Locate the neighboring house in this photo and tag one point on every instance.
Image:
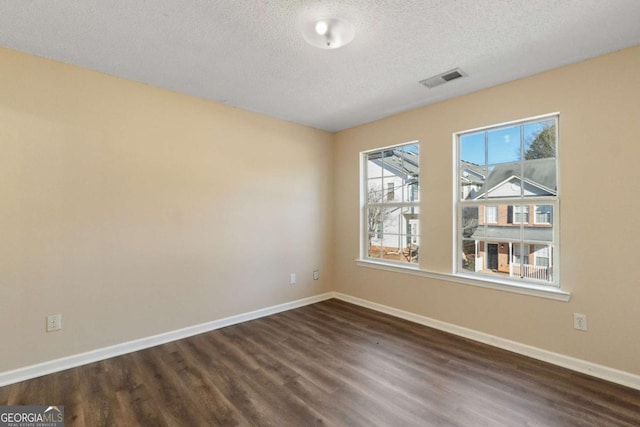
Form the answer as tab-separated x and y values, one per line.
498	229
393	183
472	178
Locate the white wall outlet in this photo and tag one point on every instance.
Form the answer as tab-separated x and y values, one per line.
316	274
292	279
580	321
54	322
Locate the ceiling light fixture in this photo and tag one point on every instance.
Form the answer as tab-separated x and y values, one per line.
328	33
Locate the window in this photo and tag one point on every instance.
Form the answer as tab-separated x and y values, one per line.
521	214
491	214
543	214
390	225
391	191
541	255
506	172
520	254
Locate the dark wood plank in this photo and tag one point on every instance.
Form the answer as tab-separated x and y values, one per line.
331	363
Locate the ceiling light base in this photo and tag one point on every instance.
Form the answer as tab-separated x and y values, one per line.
328	33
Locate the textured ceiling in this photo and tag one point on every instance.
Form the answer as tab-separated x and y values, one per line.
250	53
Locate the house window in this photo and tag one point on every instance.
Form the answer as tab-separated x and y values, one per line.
508	171
543	214
390	214
521	214
491	214
391	191
541	256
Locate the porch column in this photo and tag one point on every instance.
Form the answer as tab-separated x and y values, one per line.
510	260
549	270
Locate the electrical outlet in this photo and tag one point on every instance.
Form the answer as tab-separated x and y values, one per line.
580	321
316	274
54	322
292	279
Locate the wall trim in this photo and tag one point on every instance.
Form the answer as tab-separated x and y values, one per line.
56	365
599	371
574	364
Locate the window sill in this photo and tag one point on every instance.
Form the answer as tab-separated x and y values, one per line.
518	288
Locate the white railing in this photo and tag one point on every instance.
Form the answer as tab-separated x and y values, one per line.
530	271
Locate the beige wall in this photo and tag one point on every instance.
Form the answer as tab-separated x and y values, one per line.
599	105
135	211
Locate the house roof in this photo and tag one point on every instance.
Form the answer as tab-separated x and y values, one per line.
540	173
512	233
398	162
471	172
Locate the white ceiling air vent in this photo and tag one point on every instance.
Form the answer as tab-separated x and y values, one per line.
442	78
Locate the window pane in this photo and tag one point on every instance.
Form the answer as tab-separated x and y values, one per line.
543	214
411	234
399	240
472	179
374	165
504	145
389	242
542	255
392	189
390	163
374	231
391	220
503	181
470	221
411	224
411	190
410	172
411	155
491	214
470	260
521	214
392	247
472	148
540	178
520	254
504	230
539	232
375	193
540	140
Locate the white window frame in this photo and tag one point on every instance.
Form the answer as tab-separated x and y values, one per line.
522	211
536	255
552	201
494	216
385	203
535	215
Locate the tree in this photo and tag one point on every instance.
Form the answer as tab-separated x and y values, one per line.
469	221
543	145
375	214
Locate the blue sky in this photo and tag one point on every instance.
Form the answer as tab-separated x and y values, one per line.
503	144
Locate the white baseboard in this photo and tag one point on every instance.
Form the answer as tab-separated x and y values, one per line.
578	365
33	371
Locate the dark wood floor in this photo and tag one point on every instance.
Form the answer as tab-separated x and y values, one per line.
330	363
